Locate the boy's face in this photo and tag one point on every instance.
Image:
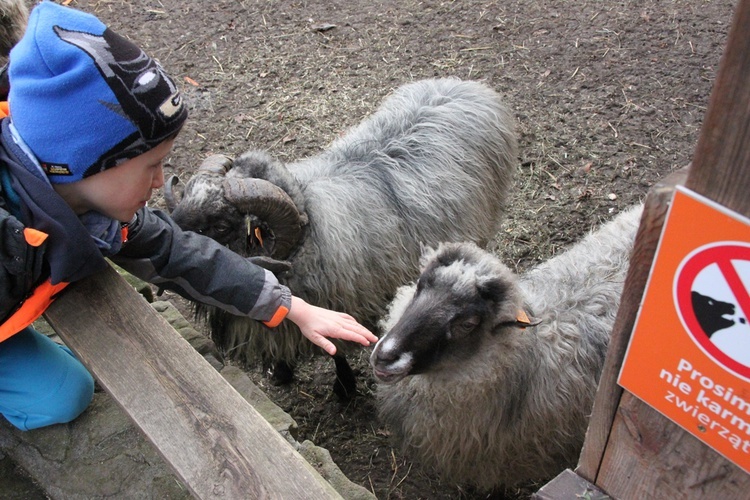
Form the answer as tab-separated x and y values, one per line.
119	191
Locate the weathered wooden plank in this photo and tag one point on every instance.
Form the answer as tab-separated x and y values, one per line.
570	485
651	457
215	441
608	393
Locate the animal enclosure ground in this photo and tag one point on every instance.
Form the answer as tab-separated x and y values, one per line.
609	98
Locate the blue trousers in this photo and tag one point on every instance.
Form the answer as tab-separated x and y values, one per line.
41	382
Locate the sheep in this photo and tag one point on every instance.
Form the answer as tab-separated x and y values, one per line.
13	17
435	162
489	377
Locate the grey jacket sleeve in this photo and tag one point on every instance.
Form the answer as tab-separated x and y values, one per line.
201	269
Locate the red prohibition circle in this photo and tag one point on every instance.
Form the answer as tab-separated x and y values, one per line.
722	254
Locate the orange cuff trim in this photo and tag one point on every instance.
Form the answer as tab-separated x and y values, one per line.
4	109
278	317
34	237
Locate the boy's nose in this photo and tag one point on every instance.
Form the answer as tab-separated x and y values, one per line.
158	180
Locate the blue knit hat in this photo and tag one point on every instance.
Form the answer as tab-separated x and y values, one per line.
85	99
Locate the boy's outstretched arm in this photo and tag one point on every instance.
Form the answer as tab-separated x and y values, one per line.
317	323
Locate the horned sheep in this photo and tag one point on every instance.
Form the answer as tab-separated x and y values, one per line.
434	163
490	377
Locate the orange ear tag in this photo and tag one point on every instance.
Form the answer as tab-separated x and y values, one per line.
522	318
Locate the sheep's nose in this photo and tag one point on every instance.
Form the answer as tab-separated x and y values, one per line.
390	365
384	354
385	357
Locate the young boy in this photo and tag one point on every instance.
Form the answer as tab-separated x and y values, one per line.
92	118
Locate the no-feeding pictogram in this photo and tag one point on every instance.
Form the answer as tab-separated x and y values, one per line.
712	294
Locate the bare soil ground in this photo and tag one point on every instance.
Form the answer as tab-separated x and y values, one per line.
609	98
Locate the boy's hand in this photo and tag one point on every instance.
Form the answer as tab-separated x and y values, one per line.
317	323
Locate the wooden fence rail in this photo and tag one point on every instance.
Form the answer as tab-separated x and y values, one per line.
215	441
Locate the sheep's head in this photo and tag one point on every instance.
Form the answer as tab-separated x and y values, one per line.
230	203
462	300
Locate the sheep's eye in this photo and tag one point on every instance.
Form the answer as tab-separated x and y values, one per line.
464	326
222	228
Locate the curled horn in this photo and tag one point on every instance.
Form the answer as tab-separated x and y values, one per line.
169	192
217	165
273	205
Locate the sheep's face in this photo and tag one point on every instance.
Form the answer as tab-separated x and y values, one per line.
204	210
451	317
250	215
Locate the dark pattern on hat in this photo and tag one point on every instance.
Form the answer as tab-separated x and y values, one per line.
146	96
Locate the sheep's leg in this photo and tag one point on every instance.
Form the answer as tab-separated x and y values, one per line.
281	372
346	383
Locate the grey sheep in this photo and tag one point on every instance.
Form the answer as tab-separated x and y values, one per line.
468	384
433	163
13	17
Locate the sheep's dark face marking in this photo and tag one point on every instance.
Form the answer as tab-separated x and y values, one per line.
204	210
453	309
239	205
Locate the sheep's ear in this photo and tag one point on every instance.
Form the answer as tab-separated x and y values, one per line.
507	297
426	253
523	320
492	289
519	320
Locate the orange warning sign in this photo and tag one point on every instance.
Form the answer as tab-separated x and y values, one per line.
689	355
